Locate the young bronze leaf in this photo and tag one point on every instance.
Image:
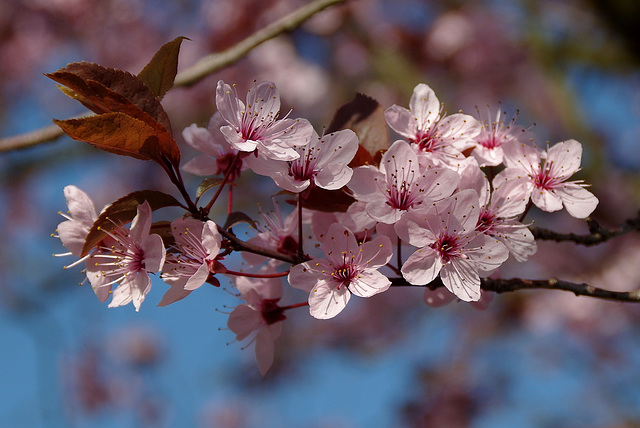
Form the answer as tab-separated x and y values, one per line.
77	75
238	217
163	228
161	71
115	102
365	117
115	133
327	200
122	212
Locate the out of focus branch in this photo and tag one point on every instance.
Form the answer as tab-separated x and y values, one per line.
597	235
516	284
210	63
201	69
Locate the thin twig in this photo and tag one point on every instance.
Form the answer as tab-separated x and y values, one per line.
192	75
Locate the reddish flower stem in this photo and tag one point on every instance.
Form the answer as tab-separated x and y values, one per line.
227	174
297	305
257	275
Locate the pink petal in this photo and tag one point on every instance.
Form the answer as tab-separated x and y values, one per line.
202	166
154	253
141	224
326	302
369	283
461	278
265	346
546	200
243	321
304	276
172	295
424	106
198	278
401	120
578	201
565	158
421	267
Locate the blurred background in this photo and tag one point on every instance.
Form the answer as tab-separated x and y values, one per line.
532	359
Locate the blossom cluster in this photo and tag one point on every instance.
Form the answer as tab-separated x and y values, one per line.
452	192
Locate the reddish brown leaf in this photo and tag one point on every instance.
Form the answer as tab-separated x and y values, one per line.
365	117
161	71
122	212
116	133
327	200
77	75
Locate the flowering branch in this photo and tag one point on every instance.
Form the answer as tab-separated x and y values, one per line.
194	74
597	235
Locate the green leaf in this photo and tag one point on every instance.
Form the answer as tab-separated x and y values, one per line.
161	71
122	212
207	184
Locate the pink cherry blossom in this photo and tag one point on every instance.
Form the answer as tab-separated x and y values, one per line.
274	233
217	156
197	245
400	185
350	268
73	233
543	177
82	214
433	134
488	150
450	246
499	210
255	125
128	260
260	317
322	161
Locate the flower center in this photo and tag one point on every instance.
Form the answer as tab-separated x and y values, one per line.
448	247
486	221
271	312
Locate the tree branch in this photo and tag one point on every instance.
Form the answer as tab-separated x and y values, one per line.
597	234
217	61
192	75
515	284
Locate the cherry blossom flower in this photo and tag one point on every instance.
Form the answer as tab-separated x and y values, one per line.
488	150
350	268
73	233
260	317
499	210
433	134
450	246
128	260
274	233
218	155
399	186
255	126
197	245
322	161
82	214
543	177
